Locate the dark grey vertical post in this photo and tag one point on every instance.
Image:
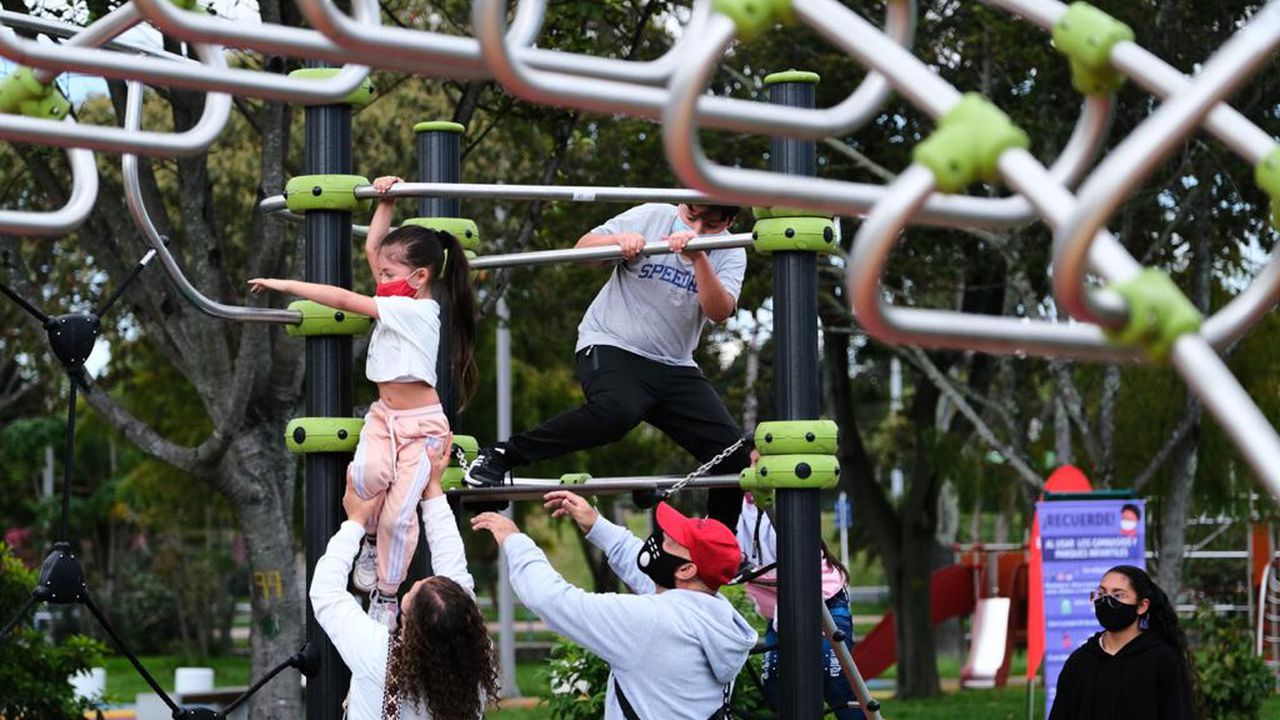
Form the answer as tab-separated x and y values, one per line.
328	386
440	160
796	383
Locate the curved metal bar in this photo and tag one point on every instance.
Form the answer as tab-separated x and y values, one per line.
605	252
607	96
107	63
554	193
84	193
263	37
98	33
644	72
1227	124
690	163
138	211
1134	159
1004	335
193	141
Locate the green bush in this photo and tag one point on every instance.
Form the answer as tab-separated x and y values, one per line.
1233	680
578	680
33	673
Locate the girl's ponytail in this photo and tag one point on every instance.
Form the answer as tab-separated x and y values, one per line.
455	274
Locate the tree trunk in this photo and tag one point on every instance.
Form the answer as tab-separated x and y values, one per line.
1177	505
258	473
917	655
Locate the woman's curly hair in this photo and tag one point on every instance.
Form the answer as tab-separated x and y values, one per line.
445	660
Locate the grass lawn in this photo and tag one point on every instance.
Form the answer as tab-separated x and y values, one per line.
124	682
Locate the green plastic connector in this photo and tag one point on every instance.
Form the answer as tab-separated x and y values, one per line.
322	435
22	94
361	96
764	213
1159	313
818	472
1086	35
320	319
789	437
439	126
1267	174
795	234
465	230
324	192
574	478
750	481
968	142
793	75
452	478
184	4
754	17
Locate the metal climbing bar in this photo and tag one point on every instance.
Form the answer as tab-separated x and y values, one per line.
604	253
488	191
535	488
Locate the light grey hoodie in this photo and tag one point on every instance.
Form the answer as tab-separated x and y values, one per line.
672	652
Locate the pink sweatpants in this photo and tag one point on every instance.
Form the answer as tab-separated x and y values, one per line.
391	464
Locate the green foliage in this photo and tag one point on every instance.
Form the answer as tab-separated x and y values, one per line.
1234	681
33	673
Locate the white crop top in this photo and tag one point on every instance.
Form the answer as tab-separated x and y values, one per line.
406	338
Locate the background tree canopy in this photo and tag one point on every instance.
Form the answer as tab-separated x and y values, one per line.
188	405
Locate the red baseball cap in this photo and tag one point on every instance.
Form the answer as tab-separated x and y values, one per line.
712	546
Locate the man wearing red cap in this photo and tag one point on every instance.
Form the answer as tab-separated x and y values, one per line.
675	647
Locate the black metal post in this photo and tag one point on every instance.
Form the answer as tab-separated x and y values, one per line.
796	373
328	386
440	160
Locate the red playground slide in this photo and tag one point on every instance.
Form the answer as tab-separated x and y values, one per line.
952	591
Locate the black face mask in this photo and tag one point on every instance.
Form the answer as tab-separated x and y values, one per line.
658	564
1114	615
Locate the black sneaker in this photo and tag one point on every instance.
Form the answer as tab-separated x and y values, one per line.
490	468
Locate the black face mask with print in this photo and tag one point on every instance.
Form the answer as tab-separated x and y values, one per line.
658	564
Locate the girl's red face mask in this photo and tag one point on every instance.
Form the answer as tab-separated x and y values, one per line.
396	288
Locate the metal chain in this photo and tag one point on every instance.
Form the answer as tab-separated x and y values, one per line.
461	456
706	466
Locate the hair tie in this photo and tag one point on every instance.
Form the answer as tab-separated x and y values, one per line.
445	262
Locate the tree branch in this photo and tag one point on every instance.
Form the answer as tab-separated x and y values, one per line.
198	461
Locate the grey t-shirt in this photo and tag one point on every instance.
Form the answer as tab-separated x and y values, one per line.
650	304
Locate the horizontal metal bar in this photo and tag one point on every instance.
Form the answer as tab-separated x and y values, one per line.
96	34
55	28
524	490
605	252
489	191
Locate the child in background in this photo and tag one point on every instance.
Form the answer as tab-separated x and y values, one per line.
391	460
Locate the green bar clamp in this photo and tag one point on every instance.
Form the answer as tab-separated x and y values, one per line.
325	192
754	17
795	234
818	472
322	435
762	213
22	94
792	75
748	480
579	478
359	97
439	126
968	142
452	478
466	231
320	320
1086	35
1267	174
790	437
1158	313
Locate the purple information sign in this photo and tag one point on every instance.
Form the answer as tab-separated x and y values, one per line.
1079	541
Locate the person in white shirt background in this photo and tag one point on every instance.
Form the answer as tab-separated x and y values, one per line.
440	663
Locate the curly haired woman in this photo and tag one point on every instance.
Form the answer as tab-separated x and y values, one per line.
439	665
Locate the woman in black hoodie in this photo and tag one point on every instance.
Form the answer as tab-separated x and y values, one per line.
1138	667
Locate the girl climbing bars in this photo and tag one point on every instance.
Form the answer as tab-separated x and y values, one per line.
391	460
